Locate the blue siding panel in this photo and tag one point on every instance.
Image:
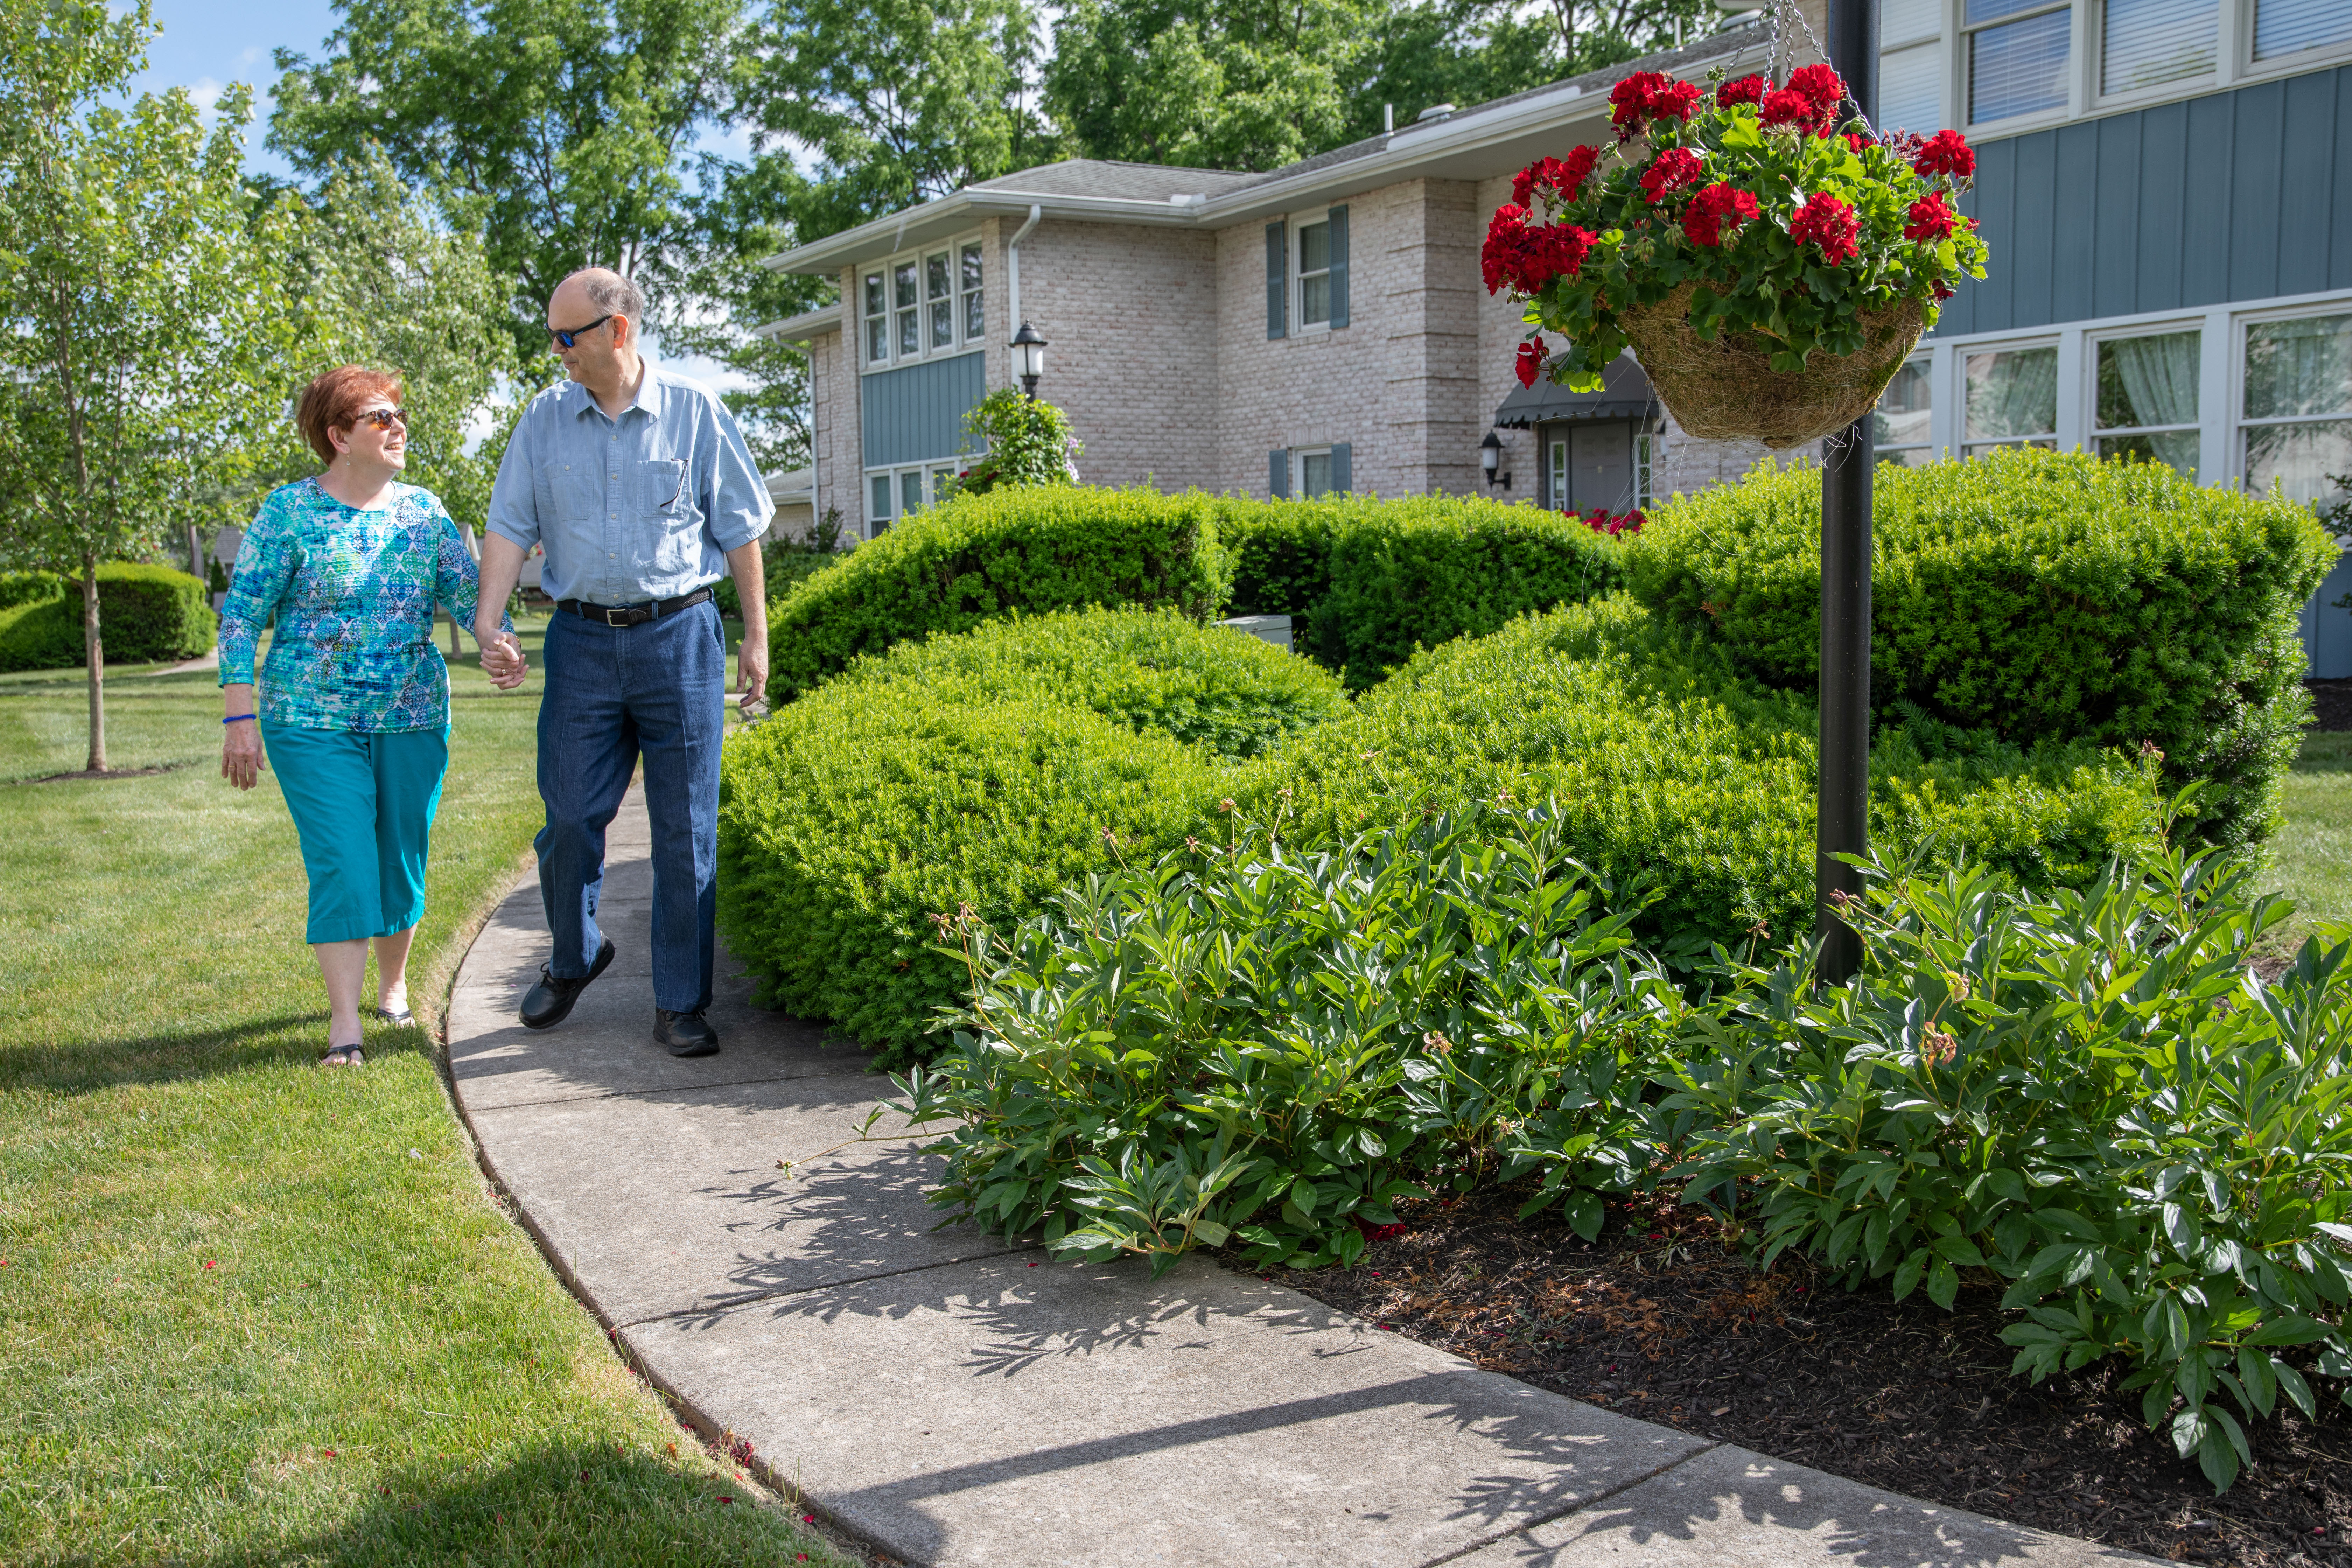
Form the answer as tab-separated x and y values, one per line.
2035	246
2115	210
2205	208
2310	147
2339	244
2074	247
2163	154
2326	630
915	414
2254	191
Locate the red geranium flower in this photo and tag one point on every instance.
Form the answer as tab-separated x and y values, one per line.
1676	168
1719	207
1564	177
1648	95
1945	153
1749	88
1831	224
1824	86
1782	106
1931	220
1531	363
1856	142
1528	258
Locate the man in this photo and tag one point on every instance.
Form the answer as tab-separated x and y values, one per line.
637	484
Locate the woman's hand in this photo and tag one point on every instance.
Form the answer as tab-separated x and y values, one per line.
241	761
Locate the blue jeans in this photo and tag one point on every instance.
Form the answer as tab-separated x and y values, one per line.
615	693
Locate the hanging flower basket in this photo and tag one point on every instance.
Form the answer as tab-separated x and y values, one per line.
1771	261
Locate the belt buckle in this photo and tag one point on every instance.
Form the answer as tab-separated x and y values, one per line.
627	613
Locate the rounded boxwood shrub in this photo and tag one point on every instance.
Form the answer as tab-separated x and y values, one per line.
1369	580
978	558
986	771
146	614
2032	595
29	588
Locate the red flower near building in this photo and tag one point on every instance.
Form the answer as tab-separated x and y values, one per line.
1945	153
1749	88
1829	223
1715	209
1676	168
1527	257
1602	522
1531	363
1650	95
1563	178
1930	219
1820	84
1783	107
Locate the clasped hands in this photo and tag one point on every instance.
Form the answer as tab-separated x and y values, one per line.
502	659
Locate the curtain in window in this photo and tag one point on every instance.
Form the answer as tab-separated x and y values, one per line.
2012	394
2158	377
2299	367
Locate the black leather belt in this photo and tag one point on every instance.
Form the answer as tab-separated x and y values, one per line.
632	615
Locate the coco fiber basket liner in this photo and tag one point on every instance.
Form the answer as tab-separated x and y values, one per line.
1728	389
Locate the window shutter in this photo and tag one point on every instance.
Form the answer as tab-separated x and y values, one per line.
1277	278
1278	471
1342	475
1339	299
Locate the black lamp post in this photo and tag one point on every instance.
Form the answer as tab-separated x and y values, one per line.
1028	359
1490	457
1843	816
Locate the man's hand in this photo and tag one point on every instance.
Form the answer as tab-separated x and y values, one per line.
751	669
502	659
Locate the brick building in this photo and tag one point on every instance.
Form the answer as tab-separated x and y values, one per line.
2167	190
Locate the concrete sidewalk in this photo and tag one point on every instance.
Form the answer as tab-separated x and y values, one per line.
959	1401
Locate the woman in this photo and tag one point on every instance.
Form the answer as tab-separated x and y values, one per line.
355	700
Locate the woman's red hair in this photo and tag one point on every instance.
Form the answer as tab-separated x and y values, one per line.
332	400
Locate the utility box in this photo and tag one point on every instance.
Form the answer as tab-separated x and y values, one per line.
1274	630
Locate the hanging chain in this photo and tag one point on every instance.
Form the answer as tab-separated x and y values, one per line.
1772	58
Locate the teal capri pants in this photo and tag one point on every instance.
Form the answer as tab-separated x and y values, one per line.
363	806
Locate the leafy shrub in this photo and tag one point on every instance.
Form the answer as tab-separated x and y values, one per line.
2032	595
146	614
1251	1047
1369	580
2092	1096
975	559
1663	759
30	588
1021	440
988	771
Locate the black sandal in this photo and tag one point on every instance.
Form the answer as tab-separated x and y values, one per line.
350	1057
402	1019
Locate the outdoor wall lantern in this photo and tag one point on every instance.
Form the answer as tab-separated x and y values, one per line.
1490	457
1028	359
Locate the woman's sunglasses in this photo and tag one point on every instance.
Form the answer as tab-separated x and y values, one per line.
570	336
382	418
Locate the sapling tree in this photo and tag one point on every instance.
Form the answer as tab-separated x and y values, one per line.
1023	441
138	313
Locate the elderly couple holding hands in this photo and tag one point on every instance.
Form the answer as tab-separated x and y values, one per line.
637	486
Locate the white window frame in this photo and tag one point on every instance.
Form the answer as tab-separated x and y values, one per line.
935	477
1298	455
2235	409
1298	224
963	339
1960	109
2092	432
2058	436
1926	361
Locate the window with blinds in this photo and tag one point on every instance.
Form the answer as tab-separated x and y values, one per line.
2017	53
1911	64
2146	42
2290	27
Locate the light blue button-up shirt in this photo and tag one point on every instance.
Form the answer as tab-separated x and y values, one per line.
642	507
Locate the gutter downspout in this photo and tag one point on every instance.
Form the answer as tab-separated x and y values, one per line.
1012	267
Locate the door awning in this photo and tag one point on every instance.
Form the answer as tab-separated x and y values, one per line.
1624	394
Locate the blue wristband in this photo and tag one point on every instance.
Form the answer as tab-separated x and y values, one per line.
239	717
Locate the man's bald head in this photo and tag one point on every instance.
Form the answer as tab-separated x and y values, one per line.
605	313
602	291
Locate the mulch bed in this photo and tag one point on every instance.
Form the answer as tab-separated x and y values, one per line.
1658	1319
2331	704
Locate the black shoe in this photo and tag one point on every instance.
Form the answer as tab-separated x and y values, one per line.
547	1003
685	1033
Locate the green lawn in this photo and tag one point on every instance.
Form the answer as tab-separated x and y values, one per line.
2311	858
252	1311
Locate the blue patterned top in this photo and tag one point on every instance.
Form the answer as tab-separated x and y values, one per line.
352	593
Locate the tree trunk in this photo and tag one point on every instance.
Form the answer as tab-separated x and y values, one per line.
195	556
94	651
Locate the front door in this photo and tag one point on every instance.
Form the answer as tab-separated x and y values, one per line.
1588	466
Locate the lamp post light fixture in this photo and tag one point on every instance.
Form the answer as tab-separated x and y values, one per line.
1490	457
1028	359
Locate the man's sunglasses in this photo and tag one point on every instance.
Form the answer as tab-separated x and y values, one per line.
570	336
382	418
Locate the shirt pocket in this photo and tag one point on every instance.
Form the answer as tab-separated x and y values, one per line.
570	496
659	489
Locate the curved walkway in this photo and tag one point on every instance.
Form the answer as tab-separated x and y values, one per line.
959	1401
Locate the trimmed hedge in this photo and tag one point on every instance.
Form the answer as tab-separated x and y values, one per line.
991	770
987	769
147	614
1369	580
29	588
2032	595
974	558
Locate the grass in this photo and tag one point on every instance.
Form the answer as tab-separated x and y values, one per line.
252	1311
2311	858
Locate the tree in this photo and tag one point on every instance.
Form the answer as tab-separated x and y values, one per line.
899	100
561	130
139	299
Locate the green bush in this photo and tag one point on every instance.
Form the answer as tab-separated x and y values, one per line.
146	614
1369	580
974	558
2036	596
988	771
1663	759
30	588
